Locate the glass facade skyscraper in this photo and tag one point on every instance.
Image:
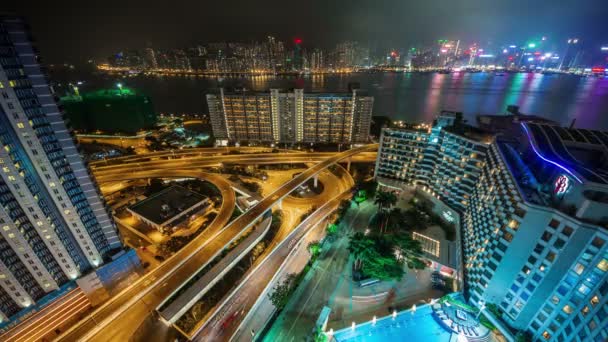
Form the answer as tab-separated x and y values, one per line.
54	225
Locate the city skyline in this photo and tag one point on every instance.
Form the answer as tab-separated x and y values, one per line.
272	55
351	177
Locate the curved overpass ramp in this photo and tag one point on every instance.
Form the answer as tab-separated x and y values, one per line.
117	319
124	312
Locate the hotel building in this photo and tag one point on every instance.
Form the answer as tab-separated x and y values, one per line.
53	223
441	159
533	223
290	117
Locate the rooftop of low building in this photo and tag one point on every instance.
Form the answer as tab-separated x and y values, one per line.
167	204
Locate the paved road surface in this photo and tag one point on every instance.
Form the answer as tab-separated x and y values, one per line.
124	312
119	317
299	316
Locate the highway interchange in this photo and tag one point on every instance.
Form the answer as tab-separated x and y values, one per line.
117	319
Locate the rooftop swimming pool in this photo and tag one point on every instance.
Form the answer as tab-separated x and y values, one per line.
419	325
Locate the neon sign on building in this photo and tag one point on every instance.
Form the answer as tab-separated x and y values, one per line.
561	185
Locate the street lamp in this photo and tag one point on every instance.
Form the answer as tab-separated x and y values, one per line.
119	85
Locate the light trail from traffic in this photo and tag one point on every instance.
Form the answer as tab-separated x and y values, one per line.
117	319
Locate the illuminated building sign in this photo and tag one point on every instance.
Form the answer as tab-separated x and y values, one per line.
562	185
525	128
448	216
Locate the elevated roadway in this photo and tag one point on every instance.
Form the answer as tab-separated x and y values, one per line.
201	161
246	295
117	319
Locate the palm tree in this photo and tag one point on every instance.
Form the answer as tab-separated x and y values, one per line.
358	246
394	219
385	200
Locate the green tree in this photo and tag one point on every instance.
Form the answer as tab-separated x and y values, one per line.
409	250
380	261
319	336
331	231
414	219
281	292
383	267
332	228
395	220
173	245
253	187
370	187
385	200
416	264
359	246
314	248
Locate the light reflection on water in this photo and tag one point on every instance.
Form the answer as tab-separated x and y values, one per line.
411	97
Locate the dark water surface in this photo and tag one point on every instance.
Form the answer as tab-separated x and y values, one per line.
411	97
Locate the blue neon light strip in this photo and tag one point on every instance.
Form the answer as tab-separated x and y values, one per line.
545	159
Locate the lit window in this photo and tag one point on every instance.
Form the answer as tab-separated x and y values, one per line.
20	125
52	184
513	224
603	265
567	309
594	300
579	268
584	289
585	311
546	335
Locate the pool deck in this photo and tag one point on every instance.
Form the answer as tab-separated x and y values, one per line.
410	325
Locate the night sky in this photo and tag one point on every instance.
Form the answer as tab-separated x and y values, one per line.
74	31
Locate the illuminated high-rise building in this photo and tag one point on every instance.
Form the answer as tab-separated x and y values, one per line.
298	54
533	205
150	58
291	117
316	60
54	226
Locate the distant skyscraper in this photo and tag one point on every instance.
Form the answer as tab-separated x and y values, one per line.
297	54
150	58
345	54
291	117
53	225
316	60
